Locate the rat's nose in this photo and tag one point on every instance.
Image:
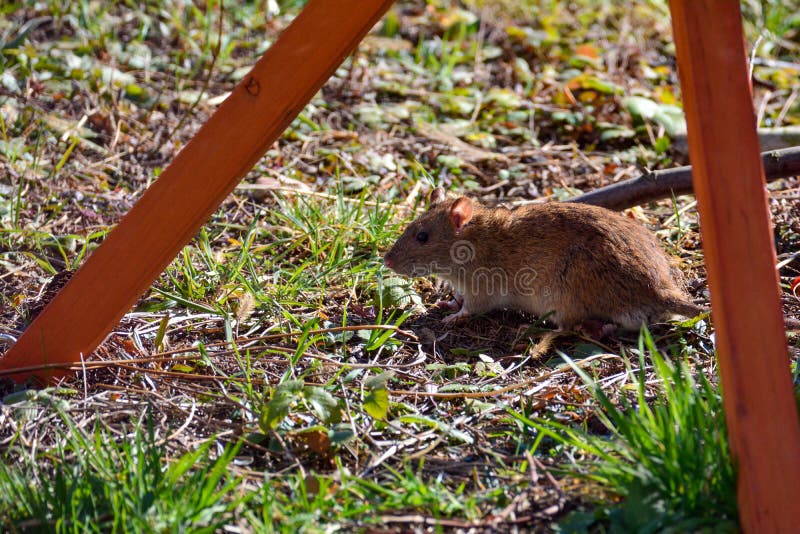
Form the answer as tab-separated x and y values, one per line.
388	261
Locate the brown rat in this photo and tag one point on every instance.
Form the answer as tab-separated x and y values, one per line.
579	262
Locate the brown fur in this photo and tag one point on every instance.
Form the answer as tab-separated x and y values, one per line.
579	262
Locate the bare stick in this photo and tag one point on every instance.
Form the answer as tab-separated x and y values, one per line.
656	185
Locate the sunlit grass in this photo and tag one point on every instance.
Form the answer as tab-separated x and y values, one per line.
665	451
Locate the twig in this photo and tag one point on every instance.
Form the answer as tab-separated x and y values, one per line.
550	478
495	392
753	55
657	185
169	355
127	363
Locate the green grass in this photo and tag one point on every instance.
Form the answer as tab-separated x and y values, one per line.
316	503
288	257
665	452
93	481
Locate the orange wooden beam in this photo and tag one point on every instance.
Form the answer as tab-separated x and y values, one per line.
174	208
740	258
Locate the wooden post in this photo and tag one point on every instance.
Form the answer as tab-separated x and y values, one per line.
740	258
174	208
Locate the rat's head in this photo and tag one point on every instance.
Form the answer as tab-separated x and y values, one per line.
432	243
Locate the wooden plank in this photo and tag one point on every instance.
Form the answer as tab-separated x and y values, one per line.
740	258
202	175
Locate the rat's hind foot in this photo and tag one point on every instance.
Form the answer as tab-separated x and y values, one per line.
596	329
593	328
461	315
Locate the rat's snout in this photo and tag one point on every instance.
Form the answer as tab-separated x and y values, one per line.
388	260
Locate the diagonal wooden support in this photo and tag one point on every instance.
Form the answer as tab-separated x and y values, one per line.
174	208
740	258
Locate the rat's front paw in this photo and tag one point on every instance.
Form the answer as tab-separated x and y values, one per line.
453	304
456	317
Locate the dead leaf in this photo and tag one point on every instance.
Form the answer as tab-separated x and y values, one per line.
587	50
377	43
264	184
464	150
317	441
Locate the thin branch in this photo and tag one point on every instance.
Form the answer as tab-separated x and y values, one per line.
657	185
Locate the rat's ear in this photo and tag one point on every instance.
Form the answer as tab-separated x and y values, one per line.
437	195
460	213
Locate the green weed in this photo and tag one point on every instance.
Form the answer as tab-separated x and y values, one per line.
666	451
93	481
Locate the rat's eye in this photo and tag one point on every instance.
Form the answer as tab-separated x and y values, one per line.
422	237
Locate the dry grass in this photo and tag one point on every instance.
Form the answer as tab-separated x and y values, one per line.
285	285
